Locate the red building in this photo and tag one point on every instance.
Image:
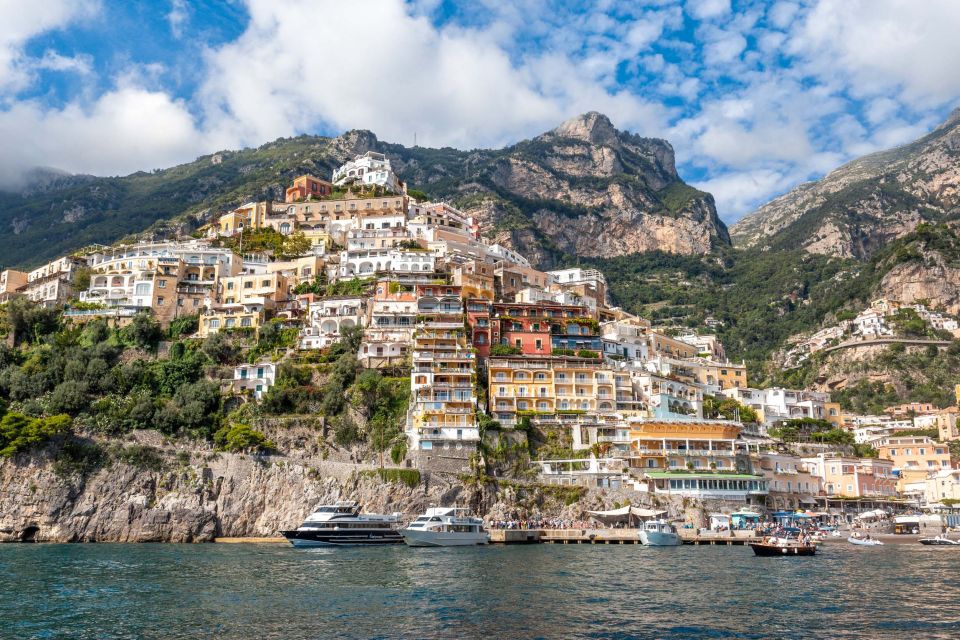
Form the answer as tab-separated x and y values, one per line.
478	317
530	327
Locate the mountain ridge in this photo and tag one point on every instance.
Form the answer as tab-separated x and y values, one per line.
859	207
583	188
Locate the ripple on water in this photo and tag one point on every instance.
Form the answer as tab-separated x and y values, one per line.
273	591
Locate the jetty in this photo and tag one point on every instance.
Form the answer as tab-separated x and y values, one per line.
614	536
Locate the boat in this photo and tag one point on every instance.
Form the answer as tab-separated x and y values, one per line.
864	542
940	541
445	527
783	547
659	533
342	524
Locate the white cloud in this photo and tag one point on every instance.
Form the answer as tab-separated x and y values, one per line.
878	46
22	20
53	61
127	128
707	9
178	16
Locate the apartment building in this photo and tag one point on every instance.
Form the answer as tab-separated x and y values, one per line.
52	284
306	187
777	404
370	169
548	386
392	314
790	485
12	283
327	318
914	457
441	421
660	445
853	477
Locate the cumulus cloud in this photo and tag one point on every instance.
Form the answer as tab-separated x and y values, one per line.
756	101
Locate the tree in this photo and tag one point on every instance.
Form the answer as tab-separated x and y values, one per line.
69	397
242	437
143	332
29	321
294	246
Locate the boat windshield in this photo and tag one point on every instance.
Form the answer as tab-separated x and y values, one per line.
422	519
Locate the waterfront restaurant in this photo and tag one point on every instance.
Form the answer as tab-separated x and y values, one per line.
715	486
659	445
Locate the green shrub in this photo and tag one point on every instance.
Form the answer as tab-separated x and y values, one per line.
587	353
504	350
241	437
19	432
142	457
409	477
79	458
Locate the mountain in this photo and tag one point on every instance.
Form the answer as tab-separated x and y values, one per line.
860	207
583	189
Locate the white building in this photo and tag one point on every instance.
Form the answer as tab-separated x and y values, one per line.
370	169
255	378
327	318
777	404
368	262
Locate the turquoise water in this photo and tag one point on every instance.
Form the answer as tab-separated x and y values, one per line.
274	591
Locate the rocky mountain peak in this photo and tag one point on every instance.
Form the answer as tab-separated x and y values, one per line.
952	120
592	127
355	142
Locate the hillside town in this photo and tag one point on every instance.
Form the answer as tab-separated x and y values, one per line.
492	347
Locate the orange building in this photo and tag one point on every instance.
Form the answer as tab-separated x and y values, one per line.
660	446
307	186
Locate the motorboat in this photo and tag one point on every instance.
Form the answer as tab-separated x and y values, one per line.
940	541
342	524
445	527
864	541
774	546
659	533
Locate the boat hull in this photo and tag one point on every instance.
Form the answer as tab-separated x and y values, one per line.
418	538
770	550
939	542
659	539
318	538
865	543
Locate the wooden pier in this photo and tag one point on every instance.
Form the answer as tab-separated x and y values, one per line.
613	536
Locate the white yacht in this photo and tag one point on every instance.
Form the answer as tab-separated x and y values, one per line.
445	527
342	524
659	533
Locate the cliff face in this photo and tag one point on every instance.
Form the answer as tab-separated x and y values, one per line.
198	494
583	189
860	207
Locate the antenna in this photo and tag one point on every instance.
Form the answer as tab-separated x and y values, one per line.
414	138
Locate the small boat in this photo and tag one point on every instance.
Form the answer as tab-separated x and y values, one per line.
940	541
864	542
783	547
658	533
342	524
445	527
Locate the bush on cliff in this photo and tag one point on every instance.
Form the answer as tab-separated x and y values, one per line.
241	437
19	432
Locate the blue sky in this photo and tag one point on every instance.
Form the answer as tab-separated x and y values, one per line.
755	96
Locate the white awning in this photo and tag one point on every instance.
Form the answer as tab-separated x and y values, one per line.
627	511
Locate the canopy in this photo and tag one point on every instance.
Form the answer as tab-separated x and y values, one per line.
872	515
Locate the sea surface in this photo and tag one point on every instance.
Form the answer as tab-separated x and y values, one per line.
266	591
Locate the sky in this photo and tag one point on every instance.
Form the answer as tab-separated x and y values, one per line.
755	97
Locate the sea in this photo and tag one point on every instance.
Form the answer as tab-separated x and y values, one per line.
266	591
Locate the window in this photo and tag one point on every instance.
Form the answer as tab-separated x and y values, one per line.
162	284
230	286
245	322
539	345
248	284
160	301
243	374
231	322
259	372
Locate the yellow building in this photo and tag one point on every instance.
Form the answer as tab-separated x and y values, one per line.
11	284
706	445
549	385
267	289
231	316
914	457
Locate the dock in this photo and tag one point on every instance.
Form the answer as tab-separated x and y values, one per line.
613	536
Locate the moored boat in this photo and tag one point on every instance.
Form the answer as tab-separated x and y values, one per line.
783	547
445	527
342	524
658	533
940	541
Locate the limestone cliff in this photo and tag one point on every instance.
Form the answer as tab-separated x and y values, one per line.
191	493
858	208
